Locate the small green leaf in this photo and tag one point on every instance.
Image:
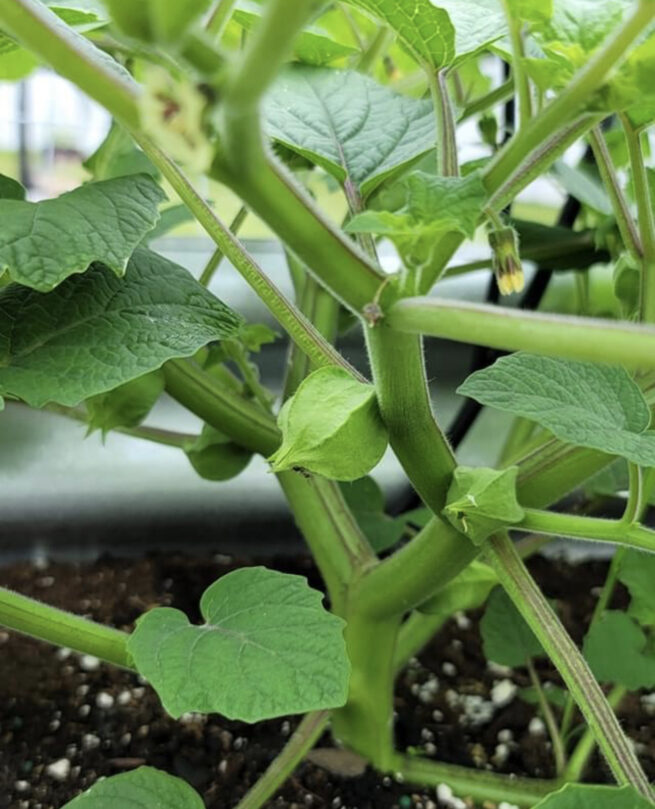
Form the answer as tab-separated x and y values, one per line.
353	127
584	23
366	501
617	652
506	638
118	156
331	427
126	405
42	243
433	206
555	695
312	45
585	404
255	335
586	796
467	591
215	457
481	500
143	788
590	192
637	572
97	331
268	648
10	188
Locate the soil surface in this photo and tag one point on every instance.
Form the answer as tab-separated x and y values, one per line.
65	720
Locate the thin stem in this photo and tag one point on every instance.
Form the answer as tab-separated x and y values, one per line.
218	255
635	504
475	784
299	329
607	172
549	719
587	339
596	529
579	758
538	613
301	742
561	110
377	47
219	17
446	133
493	97
645	218
250	378
521	80
61	628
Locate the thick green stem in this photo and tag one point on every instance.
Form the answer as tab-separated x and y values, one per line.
61	628
202	394
632	535
586	339
478	785
72	56
365	724
301	742
219	17
645	218
446	134
378	46
536	610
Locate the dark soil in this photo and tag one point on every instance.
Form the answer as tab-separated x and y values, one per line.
90	720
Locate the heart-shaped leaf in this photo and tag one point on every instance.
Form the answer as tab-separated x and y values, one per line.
42	243
144	788
617	652
506	637
268	648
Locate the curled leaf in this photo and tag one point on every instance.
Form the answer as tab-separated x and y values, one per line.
482	500
215	457
332	427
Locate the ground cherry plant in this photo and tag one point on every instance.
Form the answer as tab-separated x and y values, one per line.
367	97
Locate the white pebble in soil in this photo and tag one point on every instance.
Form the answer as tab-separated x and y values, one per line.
536	727
104	701
501	754
59	770
90	741
449	669
447	799
89	663
21	786
503	692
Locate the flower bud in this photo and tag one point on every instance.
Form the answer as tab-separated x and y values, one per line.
506	262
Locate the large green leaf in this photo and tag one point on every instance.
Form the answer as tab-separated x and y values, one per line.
143	788
268	648
586	796
353	127
42	243
596	406
506	637
618	652
443	32
583	23
97	331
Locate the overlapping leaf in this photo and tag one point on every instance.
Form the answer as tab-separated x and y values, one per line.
583	796
353	127
42	243
596	406
97	331
618	652
440	33
268	648
506	637
138	789
366	501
